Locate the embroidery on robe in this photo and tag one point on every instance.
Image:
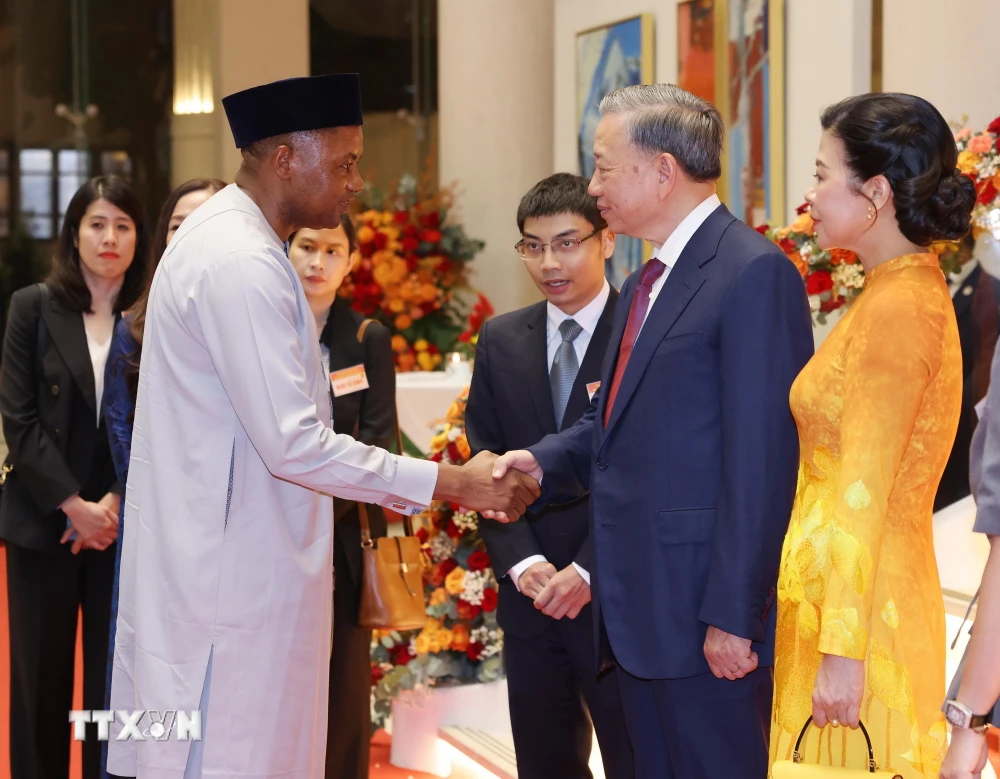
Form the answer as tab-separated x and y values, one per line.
229	494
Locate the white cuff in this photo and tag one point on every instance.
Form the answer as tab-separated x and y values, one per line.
583	572
413	487
516	570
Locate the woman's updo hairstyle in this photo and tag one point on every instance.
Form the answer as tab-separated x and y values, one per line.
905	139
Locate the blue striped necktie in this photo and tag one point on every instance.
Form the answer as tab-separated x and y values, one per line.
564	369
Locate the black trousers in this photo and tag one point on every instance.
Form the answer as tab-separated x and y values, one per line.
349	726
557	701
700	727
45	591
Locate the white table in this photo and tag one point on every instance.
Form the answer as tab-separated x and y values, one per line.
423	399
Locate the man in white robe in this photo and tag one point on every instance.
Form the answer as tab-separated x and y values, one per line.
227	564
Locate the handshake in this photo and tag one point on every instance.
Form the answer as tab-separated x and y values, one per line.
499	488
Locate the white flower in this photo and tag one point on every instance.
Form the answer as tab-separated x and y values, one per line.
441	547
473	586
849	276
454	432
468	520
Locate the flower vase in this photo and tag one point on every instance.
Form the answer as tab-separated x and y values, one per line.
415	742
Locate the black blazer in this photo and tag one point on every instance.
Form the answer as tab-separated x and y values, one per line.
510	407
49	409
372	411
977	309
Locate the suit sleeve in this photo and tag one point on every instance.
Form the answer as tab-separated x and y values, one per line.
765	340
986	449
118	400
377	416
511	543
40	467
246	308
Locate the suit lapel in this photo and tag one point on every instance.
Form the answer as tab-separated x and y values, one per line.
70	338
963	299
534	346
682	284
592	362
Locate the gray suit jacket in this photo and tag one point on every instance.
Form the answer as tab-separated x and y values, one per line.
984	457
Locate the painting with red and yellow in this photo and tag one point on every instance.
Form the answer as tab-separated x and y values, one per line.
696	47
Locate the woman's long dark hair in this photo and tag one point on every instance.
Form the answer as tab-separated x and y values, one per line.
137	320
65	280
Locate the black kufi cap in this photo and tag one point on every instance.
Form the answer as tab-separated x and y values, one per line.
294	105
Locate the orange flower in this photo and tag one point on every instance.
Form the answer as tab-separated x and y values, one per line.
426	361
462	443
842	257
407	361
800	264
460	637
399	344
403	321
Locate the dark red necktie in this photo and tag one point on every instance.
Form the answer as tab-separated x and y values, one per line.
636	314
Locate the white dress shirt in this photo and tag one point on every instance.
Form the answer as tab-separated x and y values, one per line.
587	317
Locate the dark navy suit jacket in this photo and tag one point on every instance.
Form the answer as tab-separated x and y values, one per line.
691	484
511	380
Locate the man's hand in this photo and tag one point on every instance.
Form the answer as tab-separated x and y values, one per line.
966	756
474	487
534	578
565	594
728	656
518	460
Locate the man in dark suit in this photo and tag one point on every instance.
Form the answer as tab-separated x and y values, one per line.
976	295
689	450
535	371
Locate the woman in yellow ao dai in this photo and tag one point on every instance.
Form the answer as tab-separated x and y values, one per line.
860	612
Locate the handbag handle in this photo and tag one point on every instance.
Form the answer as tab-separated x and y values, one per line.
797	756
366	533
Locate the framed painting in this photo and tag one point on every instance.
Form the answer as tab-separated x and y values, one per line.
608	57
750	93
696	47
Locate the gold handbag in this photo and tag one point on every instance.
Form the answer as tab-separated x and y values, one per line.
392	583
392	586
796	769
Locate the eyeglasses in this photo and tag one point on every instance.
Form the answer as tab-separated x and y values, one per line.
563	248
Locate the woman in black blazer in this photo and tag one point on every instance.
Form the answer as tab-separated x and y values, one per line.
59	510
322	259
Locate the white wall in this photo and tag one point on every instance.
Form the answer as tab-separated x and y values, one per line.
947	52
839	29
495	94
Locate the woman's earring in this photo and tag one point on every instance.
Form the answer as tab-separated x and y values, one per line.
871	214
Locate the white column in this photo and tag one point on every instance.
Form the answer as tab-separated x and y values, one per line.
495	98
221	47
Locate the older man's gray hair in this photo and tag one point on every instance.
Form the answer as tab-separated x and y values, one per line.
660	118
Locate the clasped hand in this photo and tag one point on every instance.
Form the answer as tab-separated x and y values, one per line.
729	656
556	594
95	524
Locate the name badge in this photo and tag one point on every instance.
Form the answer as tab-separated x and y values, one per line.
592	389
348	380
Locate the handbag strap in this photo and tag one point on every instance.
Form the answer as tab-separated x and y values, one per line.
797	755
366	534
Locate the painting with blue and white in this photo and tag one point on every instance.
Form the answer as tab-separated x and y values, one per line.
607	59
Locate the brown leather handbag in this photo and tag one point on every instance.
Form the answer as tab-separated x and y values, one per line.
392	586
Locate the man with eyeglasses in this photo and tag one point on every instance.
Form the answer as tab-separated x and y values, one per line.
536	371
